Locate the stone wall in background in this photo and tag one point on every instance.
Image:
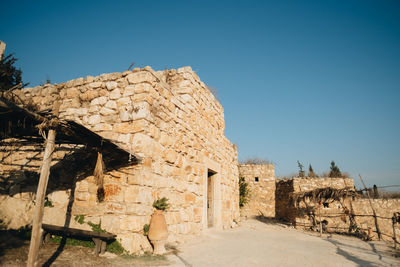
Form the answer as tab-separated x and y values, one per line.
261	183
170	120
338	216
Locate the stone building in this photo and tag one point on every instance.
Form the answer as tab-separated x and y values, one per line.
261	183
168	120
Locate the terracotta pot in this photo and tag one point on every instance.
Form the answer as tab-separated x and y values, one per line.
158	232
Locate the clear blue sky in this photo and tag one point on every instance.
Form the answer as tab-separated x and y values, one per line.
313	81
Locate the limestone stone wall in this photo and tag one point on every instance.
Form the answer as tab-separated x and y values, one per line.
261	182
337	214
384	209
175	125
286	210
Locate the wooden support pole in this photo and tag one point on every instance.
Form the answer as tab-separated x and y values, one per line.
320	219
40	195
373	210
394	230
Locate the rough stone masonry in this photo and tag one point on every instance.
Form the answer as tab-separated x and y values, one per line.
261	182
169	119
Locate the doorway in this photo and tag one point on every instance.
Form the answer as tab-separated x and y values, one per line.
210	198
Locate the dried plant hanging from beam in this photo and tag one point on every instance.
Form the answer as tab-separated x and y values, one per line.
322	195
99	176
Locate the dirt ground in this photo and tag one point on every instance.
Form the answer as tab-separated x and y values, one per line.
254	243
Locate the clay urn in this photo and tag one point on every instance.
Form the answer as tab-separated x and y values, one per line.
158	231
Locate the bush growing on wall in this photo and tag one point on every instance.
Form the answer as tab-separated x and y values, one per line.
243	192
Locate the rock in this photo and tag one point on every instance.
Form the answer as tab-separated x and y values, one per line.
99	101
129	90
115	94
134	243
102	127
139	77
111	85
111	104
72	92
125	116
95	85
94	119
106	111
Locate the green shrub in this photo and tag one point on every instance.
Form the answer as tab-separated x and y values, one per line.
80	219
96	227
161	203
73	242
244	192
115	247
47	202
146	228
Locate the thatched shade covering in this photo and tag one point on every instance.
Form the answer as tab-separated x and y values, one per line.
323	195
19	122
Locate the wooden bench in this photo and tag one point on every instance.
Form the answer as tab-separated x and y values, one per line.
99	239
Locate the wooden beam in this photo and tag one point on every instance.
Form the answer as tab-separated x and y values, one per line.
40	195
394	230
378	231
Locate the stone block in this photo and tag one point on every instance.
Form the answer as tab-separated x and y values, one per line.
59	198
113	192
133	223
123	102
102	127
115	208
190	198
139	209
111	104
134	243
110	223
99	101
107	111
111	85
95	84
94	119
136	194
170	155
141	111
72	93
125	116
124	127
139	77
129	90
115	94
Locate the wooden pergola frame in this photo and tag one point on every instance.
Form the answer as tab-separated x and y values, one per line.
18	122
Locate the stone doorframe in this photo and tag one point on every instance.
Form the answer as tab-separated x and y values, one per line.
215	168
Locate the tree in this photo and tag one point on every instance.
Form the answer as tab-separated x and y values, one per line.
10	76
244	192
335	171
311	172
301	171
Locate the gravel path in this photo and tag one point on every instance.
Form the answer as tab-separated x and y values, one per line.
254	243
261	244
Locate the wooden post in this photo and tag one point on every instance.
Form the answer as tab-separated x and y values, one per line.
320	220
40	195
373	210
394	230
